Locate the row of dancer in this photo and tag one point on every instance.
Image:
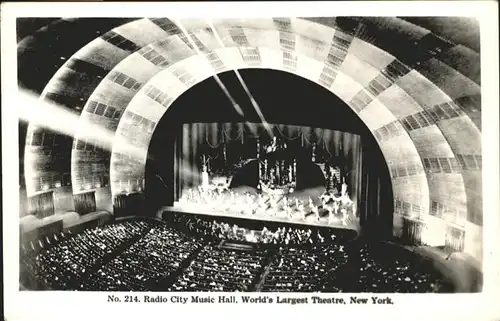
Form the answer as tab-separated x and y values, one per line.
336	209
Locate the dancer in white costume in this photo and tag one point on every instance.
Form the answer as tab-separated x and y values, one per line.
205	184
316	212
300	209
343	190
344	216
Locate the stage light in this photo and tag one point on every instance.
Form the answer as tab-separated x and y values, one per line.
42	115
45	187
62	120
243	84
47	115
224	88
217	79
58	184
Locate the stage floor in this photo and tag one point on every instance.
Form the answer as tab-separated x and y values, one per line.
203	209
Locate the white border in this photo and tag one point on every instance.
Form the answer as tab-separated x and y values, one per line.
75	306
246	9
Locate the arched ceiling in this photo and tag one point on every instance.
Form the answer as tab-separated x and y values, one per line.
414	84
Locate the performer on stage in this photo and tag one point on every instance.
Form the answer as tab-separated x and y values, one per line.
300	209
286	207
316	213
204	178
344	188
310	204
261	202
344	216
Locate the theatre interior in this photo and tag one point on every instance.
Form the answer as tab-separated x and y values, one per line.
336	154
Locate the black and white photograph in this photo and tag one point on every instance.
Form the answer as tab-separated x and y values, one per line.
275	154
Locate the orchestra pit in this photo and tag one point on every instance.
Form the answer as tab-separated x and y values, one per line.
338	154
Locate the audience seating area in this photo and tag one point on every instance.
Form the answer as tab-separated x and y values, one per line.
32	274
61	264
404	273
149	255
316	269
221	270
146	264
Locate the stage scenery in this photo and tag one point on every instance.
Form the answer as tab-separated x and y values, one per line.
336	154
279	173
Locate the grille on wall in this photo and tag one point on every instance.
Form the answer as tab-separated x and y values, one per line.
131	204
388	131
378	85
441	165
120	41
455	239
338	51
85	202
215	61
395	70
470	162
157	95
289	61
251	56
124	80
167	25
327	76
406	209
103	110
238	36
453	165
197	42
284	24
41	204
184	76
431	115
361	100
413	231
287	40
42	138
154	57
448	214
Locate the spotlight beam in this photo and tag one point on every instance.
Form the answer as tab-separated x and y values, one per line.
216	77
60	119
243	84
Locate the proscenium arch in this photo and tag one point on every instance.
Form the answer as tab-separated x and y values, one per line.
196	65
401	95
418	209
205	102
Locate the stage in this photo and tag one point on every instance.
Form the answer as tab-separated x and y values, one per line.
280	217
292	174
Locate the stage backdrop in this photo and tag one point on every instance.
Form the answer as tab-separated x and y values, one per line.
225	148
